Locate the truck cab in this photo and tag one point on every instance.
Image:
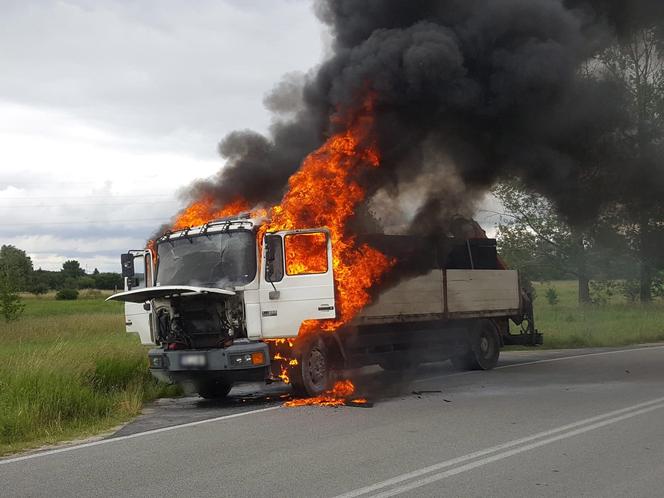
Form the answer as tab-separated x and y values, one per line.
210	298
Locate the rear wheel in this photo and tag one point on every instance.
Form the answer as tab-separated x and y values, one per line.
483	348
313	373
216	389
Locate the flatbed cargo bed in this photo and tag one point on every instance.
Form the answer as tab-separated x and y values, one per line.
446	294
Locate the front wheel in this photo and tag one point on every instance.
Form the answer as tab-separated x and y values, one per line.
483	348
313	373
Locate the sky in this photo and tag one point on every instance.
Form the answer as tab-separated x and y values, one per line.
109	108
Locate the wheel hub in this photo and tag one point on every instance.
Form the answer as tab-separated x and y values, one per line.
317	367
484	346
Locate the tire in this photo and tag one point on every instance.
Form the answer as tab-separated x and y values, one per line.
484	348
216	389
313	374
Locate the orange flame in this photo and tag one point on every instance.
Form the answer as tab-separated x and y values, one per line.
324	192
339	395
281	358
204	210
306	253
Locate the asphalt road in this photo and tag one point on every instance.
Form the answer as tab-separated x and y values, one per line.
546	423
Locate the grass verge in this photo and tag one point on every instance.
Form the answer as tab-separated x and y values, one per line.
566	324
68	370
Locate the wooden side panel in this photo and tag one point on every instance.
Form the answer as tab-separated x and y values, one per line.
420	295
482	290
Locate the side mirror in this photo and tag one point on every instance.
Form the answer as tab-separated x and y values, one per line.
270	256
132	282
127	262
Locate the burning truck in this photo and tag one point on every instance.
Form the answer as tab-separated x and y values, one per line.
293	293
226	302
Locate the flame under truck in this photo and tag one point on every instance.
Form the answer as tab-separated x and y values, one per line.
216	303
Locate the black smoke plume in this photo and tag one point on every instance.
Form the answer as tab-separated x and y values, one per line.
467	92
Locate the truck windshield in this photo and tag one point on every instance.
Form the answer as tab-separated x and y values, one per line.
221	260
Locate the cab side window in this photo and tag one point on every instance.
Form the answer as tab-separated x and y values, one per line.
306	253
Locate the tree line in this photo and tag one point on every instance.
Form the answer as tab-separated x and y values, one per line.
18	275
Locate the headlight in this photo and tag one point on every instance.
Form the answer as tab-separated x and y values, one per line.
248	359
156	362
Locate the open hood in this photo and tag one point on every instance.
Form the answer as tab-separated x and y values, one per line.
142	295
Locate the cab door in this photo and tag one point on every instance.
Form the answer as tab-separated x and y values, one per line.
138	273
297	281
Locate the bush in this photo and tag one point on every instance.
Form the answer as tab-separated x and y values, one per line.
67	295
631	290
552	296
602	291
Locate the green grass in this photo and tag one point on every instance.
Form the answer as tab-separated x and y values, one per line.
617	323
69	370
47	306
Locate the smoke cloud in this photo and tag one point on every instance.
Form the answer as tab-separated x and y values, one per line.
467	92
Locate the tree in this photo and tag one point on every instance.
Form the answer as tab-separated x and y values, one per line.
636	62
108	281
86	282
16	266
72	268
541	244
15	271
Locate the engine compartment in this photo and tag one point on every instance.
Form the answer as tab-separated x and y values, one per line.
199	322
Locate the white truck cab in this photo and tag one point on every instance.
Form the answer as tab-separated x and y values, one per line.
212	295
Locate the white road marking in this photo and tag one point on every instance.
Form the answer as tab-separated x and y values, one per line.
517	445
546	360
133	436
585	355
507	454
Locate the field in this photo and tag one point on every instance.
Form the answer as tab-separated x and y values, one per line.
67	370
617	323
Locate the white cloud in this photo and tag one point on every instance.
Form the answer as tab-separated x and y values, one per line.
107	109
169	70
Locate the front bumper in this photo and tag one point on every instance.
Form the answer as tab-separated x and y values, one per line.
221	363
